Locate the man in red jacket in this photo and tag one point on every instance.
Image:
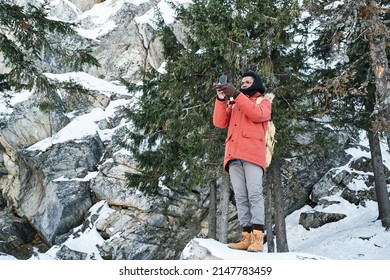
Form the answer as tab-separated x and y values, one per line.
245	159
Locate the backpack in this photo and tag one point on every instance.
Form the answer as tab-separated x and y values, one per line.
270	133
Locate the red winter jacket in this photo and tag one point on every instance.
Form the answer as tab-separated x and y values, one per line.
247	124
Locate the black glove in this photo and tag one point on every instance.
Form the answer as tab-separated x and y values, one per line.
229	90
220	94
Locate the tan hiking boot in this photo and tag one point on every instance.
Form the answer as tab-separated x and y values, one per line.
243	244
257	241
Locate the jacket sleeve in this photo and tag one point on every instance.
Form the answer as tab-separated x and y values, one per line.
255	112
221	115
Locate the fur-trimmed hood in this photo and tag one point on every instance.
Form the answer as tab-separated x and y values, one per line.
269	96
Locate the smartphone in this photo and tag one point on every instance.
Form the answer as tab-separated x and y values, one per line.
223	79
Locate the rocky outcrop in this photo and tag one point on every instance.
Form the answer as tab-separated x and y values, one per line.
17	237
317	219
55	193
84	5
159	230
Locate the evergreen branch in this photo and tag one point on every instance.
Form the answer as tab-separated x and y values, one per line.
188	109
27	41
234	42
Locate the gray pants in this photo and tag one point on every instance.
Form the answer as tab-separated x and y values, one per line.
247	181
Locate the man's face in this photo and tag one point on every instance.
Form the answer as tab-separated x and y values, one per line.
247	81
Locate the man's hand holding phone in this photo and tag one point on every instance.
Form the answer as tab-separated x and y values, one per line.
225	89
222	81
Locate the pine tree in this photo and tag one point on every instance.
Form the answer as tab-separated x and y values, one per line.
353	80
175	110
174	141
30	42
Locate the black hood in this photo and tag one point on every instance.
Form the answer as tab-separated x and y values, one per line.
257	85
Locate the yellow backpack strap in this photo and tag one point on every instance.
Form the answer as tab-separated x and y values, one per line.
259	99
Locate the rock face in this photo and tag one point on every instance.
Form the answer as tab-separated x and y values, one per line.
49	183
54	195
17	235
84	5
52	189
57	180
316	219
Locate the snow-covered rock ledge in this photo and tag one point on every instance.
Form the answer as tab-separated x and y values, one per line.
210	249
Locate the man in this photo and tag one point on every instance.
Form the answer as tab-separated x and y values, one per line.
245	159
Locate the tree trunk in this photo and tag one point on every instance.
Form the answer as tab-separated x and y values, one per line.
378	36
213	211
268	211
280	222
224	205
380	179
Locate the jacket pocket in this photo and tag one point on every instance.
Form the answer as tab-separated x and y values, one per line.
252	134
